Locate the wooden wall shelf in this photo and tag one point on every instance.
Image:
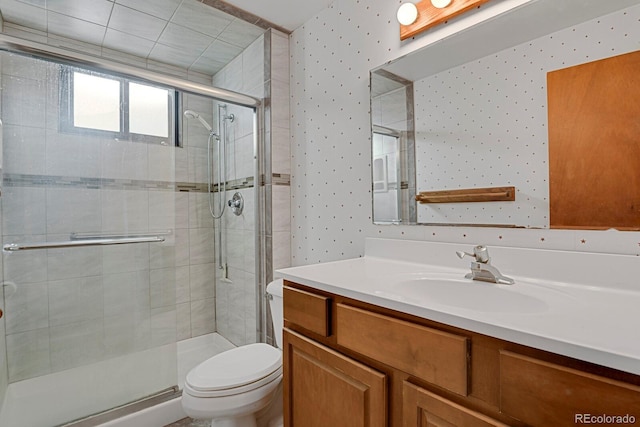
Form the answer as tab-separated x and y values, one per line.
429	16
490	194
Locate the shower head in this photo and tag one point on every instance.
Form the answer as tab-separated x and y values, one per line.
190	114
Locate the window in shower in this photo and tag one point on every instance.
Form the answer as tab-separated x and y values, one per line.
118	107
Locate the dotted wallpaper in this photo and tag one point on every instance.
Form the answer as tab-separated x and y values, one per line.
331	55
484	124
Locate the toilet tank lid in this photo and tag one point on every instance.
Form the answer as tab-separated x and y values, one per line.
275	288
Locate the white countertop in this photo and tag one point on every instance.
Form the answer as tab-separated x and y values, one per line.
595	323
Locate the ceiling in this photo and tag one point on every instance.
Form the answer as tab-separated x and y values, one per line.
289	14
185	33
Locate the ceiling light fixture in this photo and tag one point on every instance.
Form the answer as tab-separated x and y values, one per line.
418	16
407	13
440	4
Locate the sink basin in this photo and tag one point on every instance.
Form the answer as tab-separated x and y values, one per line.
470	294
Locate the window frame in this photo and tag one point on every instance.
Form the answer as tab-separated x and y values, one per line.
124	134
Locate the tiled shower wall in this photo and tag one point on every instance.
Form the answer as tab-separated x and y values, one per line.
195	303
236	296
279	154
331	55
260	71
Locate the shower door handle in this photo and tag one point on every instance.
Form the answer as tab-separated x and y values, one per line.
13	247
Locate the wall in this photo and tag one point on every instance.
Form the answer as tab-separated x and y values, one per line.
278	155
331	55
195	267
260	71
236	297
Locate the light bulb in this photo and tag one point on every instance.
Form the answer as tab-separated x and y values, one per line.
407	13
440	4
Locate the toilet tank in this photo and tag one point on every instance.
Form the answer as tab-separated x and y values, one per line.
274	289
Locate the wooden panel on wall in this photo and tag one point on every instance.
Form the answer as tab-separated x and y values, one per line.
594	145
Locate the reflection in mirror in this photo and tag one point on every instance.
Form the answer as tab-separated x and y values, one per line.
393	149
480	102
386	188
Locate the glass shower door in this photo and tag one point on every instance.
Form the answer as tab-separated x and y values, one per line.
89	202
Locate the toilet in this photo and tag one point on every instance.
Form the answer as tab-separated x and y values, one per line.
232	388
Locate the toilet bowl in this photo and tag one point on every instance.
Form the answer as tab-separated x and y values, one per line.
231	388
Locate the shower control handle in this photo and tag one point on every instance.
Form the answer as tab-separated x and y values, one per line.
236	203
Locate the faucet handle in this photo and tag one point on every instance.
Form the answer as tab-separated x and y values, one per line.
480	254
462	254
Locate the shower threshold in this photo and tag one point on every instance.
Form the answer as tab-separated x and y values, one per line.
127	409
63	396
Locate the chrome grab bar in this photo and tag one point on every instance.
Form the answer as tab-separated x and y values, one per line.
93	236
13	247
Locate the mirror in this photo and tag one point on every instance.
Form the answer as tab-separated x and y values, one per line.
393	149
470	111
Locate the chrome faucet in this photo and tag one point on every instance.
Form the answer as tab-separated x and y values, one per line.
481	268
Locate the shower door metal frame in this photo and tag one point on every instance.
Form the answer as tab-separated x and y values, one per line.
39	50
262	169
43	51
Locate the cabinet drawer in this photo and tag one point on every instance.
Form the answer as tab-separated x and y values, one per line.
420	407
545	394
438	357
308	310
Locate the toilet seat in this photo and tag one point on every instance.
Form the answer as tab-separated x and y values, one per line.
236	371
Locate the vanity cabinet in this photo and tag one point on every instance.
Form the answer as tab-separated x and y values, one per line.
543	393
440	358
349	363
326	388
422	408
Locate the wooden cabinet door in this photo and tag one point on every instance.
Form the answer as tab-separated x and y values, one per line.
545	394
421	408
324	388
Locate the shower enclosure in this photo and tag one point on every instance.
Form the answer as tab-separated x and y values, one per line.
110	253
